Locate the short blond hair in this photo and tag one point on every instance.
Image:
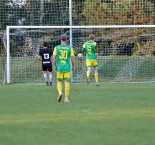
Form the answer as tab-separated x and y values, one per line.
91	36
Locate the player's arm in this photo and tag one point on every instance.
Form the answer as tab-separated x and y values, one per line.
51	54
94	43
39	56
72	60
54	57
83	48
95	49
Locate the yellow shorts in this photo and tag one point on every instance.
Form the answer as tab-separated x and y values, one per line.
91	62
63	75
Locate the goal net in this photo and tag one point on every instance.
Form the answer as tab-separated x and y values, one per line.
73	13
125	52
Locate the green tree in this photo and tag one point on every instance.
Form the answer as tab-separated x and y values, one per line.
77	11
118	12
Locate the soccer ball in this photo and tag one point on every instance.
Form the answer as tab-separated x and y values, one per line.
80	55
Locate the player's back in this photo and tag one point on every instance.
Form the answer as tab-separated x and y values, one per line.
89	48
63	52
46	54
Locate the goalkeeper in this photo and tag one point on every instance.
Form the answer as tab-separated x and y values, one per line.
91	58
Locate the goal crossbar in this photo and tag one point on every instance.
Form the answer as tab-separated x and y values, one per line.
89	26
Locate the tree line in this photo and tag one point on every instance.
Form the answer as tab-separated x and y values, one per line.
84	12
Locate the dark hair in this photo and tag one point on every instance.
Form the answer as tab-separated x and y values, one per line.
45	44
63	38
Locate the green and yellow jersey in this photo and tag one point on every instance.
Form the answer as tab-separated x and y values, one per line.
89	48
63	53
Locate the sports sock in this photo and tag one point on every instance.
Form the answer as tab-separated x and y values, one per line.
45	77
96	76
50	78
59	87
67	89
88	74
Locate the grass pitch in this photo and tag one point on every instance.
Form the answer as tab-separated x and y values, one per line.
112	114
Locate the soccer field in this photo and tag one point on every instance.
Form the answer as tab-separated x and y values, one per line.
112	114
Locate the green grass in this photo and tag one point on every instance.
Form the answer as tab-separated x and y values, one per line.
112	114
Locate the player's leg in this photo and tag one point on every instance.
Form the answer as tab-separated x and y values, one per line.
50	78
95	65
45	73
67	90
88	71
96	75
59	85
88	64
67	85
50	74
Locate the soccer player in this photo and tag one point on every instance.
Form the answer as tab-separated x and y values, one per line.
45	56
91	58
63	56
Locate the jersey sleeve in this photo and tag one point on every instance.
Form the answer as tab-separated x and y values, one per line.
94	44
83	47
72	52
54	52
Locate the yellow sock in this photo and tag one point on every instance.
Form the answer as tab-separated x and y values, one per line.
96	77
59	87
67	89
88	74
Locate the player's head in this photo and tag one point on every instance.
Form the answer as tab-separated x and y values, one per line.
91	37
45	44
63	38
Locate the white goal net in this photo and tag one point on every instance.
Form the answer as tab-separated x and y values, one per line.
125	52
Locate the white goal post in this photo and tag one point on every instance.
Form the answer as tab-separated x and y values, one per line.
8	66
